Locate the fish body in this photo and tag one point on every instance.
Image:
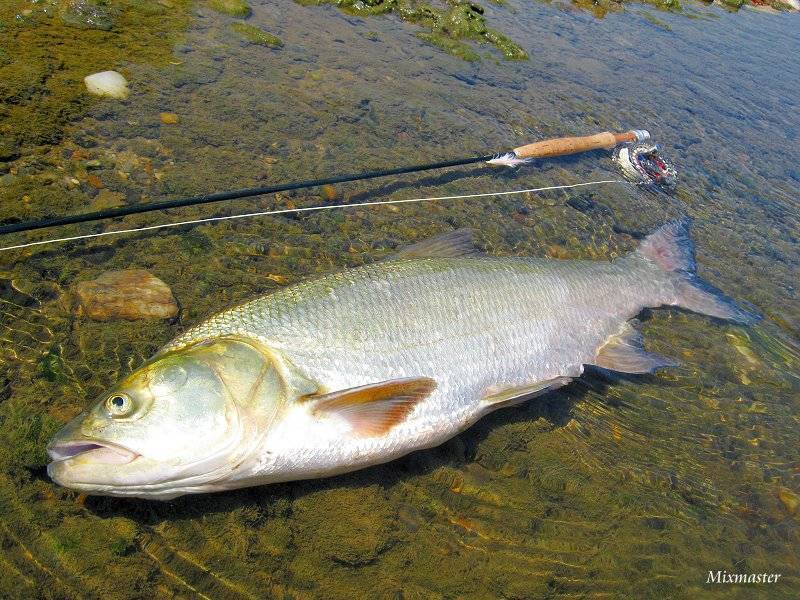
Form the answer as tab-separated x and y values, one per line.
362	366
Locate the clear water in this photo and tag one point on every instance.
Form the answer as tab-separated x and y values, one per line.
612	487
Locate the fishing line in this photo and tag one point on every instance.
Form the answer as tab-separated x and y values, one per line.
309	209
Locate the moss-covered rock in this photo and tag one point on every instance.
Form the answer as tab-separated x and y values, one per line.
234	8
448	26
256	35
451	46
88	14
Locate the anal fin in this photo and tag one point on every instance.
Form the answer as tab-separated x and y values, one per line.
516	394
372	410
624	352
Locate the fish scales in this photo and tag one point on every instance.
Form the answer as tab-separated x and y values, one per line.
467	323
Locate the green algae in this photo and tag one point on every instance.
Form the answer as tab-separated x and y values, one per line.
256	35
24	436
447	27
451	46
51	367
233	8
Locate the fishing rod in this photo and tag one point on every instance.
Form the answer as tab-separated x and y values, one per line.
523	154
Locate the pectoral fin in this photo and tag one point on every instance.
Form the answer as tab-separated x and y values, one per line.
372	410
625	352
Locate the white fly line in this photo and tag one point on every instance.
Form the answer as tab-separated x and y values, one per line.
306	209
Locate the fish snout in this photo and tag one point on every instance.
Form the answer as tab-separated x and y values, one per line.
80	459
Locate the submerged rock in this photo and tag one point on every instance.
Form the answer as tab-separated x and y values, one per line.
234	8
169	118
87	14
109	84
130	294
255	35
448	27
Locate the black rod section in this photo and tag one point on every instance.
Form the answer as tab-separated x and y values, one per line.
232	195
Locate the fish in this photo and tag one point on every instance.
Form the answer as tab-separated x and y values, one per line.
360	367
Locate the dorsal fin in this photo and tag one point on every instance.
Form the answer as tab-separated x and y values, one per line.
624	352
372	410
451	244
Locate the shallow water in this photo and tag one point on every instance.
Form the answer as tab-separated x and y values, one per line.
613	486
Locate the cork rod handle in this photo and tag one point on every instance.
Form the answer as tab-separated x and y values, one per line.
573	145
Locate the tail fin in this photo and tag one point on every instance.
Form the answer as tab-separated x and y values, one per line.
671	249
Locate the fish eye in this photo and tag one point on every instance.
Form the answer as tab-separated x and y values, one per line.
119	405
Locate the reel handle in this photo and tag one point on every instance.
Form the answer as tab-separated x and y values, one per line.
573	145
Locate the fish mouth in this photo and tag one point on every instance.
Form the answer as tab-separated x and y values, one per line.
94	450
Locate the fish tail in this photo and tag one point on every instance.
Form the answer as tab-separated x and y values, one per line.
671	250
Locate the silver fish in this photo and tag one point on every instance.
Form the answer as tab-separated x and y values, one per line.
363	366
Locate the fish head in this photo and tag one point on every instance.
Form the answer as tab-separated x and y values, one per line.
182	423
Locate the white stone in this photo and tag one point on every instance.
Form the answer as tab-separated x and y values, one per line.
107	83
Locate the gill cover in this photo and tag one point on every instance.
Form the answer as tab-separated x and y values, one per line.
185	419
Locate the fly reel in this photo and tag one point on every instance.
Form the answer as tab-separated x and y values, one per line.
642	163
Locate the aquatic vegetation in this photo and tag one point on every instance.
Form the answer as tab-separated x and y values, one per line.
88	14
448	44
447	26
233	8
256	35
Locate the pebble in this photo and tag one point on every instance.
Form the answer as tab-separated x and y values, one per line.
234	8
129	294
169	118
95	182
329	193
108	199
279	279
108	84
